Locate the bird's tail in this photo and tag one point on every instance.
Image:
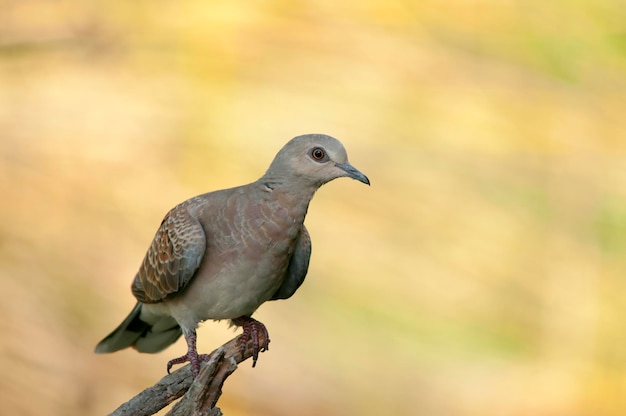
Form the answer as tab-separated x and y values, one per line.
143	336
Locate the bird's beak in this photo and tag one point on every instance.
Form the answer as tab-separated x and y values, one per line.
353	173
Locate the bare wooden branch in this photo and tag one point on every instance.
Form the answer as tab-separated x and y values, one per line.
201	398
200	395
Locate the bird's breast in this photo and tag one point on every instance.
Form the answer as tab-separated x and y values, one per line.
249	246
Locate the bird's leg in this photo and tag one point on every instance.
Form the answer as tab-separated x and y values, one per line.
252	329
192	354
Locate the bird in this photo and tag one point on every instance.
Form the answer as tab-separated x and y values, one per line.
222	254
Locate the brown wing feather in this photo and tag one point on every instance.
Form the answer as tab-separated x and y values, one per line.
298	267
173	257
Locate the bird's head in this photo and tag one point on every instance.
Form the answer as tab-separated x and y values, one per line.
314	159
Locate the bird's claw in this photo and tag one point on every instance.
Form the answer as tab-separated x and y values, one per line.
253	330
194	360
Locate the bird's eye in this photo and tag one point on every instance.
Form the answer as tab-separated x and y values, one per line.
318	154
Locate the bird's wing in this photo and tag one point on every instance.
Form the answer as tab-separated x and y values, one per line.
173	257
298	266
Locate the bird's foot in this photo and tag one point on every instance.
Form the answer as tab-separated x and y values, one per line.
254	331
192	354
194	359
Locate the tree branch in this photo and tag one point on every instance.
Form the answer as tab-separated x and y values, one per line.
200	395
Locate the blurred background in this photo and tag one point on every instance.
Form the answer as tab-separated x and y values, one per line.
482	273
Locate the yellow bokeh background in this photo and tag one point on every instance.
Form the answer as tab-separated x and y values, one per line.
483	272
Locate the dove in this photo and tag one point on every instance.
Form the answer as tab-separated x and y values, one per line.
222	254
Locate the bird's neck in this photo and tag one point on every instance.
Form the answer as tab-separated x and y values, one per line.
289	194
